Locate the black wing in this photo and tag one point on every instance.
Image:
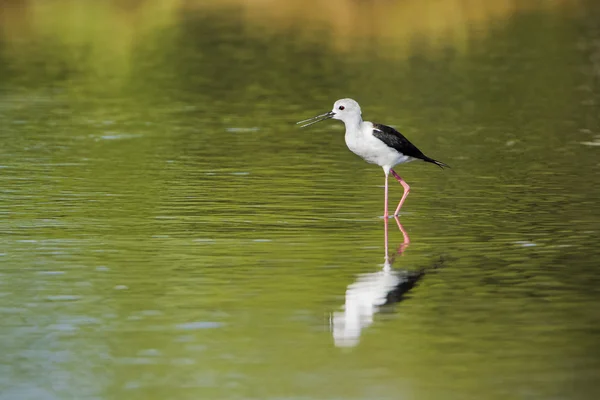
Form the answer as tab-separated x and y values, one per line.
397	141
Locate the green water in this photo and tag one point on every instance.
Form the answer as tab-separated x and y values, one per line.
166	231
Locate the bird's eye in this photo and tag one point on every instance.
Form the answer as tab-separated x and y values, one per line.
341	107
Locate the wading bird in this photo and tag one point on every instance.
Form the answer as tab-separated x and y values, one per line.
375	143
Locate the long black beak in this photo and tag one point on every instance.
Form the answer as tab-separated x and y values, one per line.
316	119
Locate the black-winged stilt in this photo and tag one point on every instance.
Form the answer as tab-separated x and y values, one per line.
375	143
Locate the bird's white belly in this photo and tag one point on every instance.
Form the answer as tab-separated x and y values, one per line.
374	151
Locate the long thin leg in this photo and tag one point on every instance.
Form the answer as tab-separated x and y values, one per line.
385	229
406	191
385	211
385	216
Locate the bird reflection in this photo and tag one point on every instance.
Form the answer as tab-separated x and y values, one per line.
372	291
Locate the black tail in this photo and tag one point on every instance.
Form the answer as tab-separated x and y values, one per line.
438	163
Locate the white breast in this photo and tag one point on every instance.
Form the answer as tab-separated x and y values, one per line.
360	141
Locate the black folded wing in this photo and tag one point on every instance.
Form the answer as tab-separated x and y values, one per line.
394	139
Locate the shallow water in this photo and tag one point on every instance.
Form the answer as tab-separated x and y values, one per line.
168	232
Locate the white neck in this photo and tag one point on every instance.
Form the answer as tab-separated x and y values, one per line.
353	123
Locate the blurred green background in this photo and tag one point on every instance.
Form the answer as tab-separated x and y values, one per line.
166	230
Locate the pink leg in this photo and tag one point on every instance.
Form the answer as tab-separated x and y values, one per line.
385	229
385	211
385	216
406	191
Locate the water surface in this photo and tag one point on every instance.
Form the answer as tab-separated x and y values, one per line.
168	232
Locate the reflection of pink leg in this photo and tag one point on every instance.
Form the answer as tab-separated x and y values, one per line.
401	247
406	242
406	191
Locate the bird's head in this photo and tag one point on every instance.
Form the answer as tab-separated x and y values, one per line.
346	110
